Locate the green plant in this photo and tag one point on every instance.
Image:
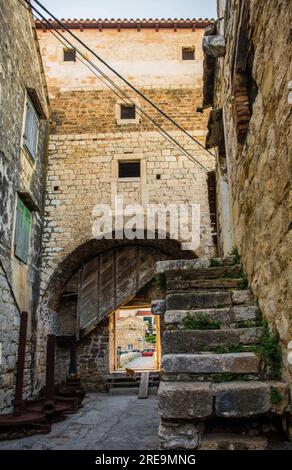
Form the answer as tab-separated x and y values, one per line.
245	324
234	348
214	263
160	282
228	377
244	282
276	396
200	322
270	351
235	253
151	339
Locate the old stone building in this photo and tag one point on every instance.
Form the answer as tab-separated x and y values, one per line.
224	358
251	124
102	146
23	136
215	384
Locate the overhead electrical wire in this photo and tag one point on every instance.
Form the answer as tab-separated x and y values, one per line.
120	92
117	73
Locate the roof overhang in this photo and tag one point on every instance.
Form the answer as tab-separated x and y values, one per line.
119	24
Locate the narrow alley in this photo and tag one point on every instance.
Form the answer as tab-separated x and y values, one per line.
106	422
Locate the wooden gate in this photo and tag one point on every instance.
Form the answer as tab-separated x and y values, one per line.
110	280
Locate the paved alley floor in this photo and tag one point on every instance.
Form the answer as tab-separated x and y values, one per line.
146	362
106	422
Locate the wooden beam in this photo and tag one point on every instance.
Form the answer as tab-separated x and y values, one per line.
144	385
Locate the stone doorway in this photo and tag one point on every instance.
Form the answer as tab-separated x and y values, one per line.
134	339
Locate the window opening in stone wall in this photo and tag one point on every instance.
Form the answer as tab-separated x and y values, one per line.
129	169
31	129
69	55
22	231
128	112
188	53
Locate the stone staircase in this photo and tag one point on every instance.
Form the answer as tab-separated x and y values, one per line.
216	392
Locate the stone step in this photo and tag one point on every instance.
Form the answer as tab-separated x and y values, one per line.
220	283
180	265
205	300
193	400
206	363
207	273
192	341
220	441
227	317
131	391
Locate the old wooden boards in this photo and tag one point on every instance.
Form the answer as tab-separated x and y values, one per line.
144	384
110	279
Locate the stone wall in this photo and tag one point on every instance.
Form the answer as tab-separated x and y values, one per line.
9	333
88	140
21	72
259	171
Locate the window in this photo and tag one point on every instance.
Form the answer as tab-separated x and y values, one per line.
188	53
129	169
69	55
22	230
128	112
31	129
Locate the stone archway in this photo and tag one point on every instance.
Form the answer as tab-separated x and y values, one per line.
62	299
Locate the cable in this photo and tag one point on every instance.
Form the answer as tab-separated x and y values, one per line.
118	74
167	136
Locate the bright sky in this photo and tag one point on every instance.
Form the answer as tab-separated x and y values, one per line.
131	8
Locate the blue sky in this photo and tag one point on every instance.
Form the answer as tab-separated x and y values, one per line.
131	8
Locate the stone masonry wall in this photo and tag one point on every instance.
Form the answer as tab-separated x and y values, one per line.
21	70
88	140
260	174
9	332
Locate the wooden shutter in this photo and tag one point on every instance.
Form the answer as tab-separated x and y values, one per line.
31	129
110	280
22	231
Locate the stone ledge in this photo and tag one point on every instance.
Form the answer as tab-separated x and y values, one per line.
185	400
197	400
196	300
242	399
234	363
226	316
191	341
181	265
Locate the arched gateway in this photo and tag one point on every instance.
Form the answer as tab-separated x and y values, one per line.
86	292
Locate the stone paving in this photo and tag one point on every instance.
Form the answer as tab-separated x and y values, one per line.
106	422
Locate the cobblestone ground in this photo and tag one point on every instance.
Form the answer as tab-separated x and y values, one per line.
106	422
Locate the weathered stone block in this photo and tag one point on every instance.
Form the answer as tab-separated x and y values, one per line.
242	399
174	435
223	315
158	307
245	313
220	283
280	398
191	341
214	45
242	297
236	363
233	442
185	400
195	300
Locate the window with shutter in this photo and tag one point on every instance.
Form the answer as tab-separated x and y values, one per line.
31	128
188	53
22	231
